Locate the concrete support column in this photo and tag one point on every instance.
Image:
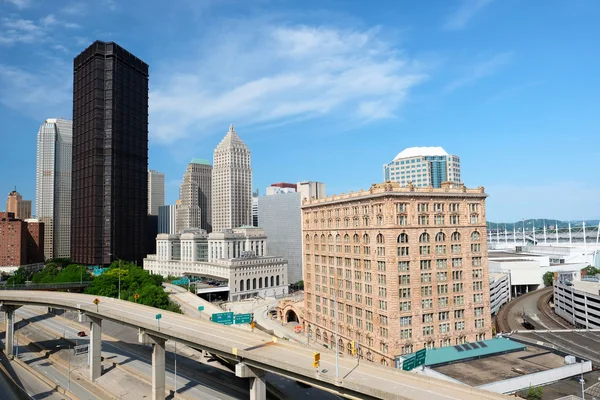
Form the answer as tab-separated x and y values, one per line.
158	368
9	317
258	386
95	349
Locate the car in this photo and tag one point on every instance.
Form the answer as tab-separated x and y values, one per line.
81	334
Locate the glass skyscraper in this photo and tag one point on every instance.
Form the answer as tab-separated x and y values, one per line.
53	185
110	156
424	167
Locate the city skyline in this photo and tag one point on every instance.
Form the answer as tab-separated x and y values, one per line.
426	80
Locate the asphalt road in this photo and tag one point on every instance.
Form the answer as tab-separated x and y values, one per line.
6	389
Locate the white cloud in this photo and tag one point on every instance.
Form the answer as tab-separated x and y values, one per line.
20	4
468	9
49	20
19	31
75	9
480	70
270	74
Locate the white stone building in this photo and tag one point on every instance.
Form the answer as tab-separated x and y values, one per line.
231	184
196	198
238	256
53	185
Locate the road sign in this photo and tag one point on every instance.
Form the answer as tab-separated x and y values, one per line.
420	357
316	359
136	296
200	308
225	318
158	316
183	281
81	349
96	301
242	319
408	364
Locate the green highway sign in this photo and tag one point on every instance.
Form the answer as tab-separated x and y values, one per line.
420	357
408	364
225	318
158	316
242	319
200	308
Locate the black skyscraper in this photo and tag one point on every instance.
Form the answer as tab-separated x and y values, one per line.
110	155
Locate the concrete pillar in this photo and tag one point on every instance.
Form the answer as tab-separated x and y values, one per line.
95	349
258	386
158	368
9	317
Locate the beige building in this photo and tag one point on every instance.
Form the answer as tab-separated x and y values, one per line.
156	191
231	184
195	195
406	266
16	205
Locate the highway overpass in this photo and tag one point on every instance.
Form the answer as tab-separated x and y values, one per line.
253	352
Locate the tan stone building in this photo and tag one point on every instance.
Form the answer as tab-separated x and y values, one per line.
406	266
19	207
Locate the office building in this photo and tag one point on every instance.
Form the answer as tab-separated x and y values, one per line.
407	267
424	167
310	189
281	187
110	156
21	242
167	219
237	256
53	185
255	210
231	184
16	205
156	191
195	195
280	217
578	301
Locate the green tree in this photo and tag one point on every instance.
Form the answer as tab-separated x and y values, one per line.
590	270
534	393
20	276
300	285
548	278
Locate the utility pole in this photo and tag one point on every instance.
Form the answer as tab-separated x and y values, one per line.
337	341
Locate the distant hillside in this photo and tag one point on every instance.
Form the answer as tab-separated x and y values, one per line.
539	223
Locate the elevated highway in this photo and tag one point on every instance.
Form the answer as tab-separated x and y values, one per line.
253	352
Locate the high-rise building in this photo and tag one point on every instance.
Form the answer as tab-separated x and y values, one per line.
279	215
407	267
21	242
16	205
231	184
255	210
53	185
310	189
424	167
281	187
156	191
195	195
110	155
167	219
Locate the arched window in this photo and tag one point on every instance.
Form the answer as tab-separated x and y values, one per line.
356	238
322	238
341	344
475	236
366	239
346	238
330	238
380	239
369	356
272	282
316	238
266	281
424	238
242	285
440	237
455	236
260	283
318	334
338	238
247	284
307	238
254	283
277	280
349	348
403	238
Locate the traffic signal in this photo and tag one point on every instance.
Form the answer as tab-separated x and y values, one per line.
317	358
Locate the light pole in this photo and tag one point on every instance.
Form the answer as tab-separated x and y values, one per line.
175	394
337	342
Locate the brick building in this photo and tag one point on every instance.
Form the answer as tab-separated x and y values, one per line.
21	242
406	266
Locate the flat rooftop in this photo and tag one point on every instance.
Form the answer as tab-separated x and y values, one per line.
499	367
503	254
589	287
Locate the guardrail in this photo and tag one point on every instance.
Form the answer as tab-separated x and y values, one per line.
44	286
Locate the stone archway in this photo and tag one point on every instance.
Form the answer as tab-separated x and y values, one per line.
291	316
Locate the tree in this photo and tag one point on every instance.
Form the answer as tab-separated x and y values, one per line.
20	276
534	393
591	271
548	278
300	285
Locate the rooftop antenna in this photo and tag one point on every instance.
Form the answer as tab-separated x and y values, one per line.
545	238
570	236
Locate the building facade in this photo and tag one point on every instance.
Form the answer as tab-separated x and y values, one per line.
21	242
196	198
578	301
281	218
156	191
310	189
16	205
167	219
53	185
110	156
499	291
423	166
398	268
231	184
238	256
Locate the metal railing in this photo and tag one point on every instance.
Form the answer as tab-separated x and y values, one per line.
44	286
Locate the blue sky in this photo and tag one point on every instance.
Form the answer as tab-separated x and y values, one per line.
330	90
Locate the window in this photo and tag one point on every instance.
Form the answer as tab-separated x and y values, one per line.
444	316
477	286
438	207
405	333
366	239
405	306
477	273
426	303
427	330
440	249
422	207
475	236
444	328
403	238
457	287
424	238
424	250
426	291
442	302
455	248
426	277
438	219
476	261
459	300
442	276
403	251
459	314
456	262
401	220
425	264
440	237
455	237
478	311
459	325
474	218
405	321
479	323
404	293
403	266
454	219
442	289
454	207
478	298
427	318
457	275
441	263
401	207
423	220
473	207
380	265
382	305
